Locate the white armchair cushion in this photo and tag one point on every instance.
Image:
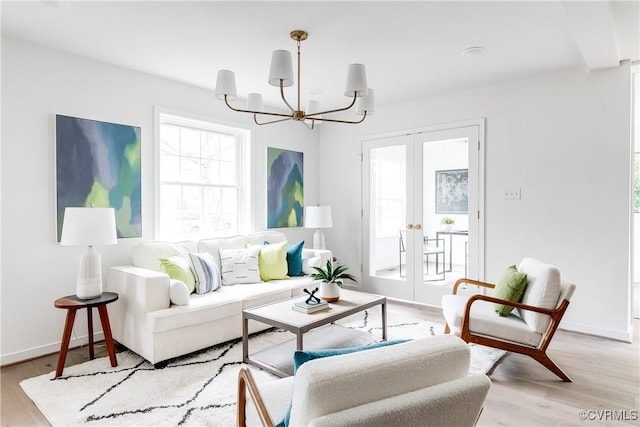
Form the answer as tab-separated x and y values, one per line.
332	384
543	290
485	321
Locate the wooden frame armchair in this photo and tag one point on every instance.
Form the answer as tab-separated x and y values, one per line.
479	327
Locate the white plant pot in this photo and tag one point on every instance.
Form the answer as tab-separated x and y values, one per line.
329	292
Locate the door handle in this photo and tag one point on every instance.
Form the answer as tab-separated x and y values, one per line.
418	227
409	226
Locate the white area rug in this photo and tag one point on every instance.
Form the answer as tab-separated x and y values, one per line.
195	390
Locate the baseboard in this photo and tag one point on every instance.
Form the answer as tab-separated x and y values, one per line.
625	336
45	350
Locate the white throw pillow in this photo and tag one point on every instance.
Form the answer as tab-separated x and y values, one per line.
206	272
309	263
240	266
178	292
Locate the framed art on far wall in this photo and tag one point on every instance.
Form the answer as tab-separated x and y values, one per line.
451	191
285	188
99	163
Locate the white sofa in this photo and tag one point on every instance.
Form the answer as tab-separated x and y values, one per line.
423	382
144	320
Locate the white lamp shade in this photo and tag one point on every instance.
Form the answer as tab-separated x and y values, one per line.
356	80
226	85
318	217
281	68
366	103
254	102
89	227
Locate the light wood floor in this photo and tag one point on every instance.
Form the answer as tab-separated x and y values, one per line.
605	373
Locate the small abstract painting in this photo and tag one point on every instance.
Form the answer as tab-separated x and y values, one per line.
285	188
98	163
451	191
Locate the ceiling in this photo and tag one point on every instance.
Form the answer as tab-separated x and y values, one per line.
411	49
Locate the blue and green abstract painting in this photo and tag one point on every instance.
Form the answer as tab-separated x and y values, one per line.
285	188
98	163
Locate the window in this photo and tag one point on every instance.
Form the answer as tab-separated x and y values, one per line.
202	182
389	186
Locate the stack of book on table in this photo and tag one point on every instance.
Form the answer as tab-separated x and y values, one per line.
309	307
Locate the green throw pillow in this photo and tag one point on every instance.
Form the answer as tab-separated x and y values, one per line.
273	261
178	268
510	287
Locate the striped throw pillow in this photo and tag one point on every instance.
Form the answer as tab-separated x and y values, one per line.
206	272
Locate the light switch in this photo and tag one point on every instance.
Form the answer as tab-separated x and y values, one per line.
511	193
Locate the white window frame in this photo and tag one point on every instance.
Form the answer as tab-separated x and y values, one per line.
243	159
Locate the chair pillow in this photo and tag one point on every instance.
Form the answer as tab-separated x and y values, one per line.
510	287
178	292
178	268
240	266
206	272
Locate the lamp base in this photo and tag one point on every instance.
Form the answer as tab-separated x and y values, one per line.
318	239
89	279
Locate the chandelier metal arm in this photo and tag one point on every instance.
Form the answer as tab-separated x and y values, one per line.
355	96
255	119
364	116
239	110
283	98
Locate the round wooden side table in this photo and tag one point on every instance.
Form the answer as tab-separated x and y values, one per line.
72	303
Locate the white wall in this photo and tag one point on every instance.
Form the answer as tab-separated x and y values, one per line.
565	139
38	83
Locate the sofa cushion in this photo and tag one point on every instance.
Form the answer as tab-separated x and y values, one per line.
148	254
510	287
178	292
213	246
206	272
178	268
485	322
543	290
257	294
240	266
265	236
201	308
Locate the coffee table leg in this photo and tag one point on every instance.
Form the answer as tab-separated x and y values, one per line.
298	340
384	321
245	339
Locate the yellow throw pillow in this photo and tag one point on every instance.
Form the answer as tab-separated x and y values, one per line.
273	261
178	268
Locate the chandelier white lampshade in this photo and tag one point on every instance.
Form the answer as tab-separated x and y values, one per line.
89	227
318	217
366	103
281	74
281	69
254	102
226	85
356	80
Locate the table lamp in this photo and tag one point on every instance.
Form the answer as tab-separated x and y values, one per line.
318	217
89	227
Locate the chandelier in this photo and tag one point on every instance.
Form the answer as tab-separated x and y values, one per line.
281	75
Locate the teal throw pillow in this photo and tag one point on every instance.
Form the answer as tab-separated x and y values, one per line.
300	357
294	258
510	287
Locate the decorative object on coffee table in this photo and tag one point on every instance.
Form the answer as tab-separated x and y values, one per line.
331	280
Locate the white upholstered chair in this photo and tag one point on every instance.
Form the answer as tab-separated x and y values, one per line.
423	382
528	329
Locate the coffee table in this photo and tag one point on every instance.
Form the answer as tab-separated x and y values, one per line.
281	315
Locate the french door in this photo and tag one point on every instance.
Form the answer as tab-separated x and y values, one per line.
412	182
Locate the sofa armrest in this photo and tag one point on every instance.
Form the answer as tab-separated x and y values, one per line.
140	290
324	255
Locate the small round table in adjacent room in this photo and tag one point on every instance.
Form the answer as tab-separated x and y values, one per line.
72	303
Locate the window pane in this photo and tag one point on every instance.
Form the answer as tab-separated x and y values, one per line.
169	140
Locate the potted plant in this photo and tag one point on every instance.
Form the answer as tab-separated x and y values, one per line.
447	223
331	280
